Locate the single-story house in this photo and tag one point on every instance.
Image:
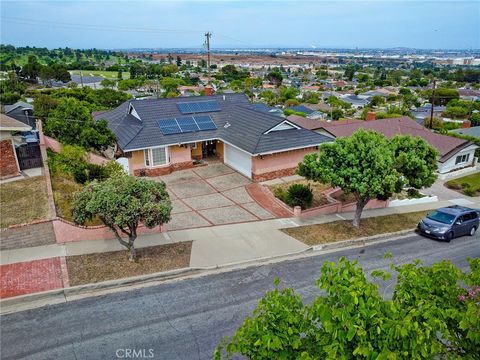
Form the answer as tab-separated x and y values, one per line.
21	111
471	131
9	166
455	153
158	136
469	94
355	101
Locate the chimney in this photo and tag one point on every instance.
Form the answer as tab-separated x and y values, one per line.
466	124
371	116
208	90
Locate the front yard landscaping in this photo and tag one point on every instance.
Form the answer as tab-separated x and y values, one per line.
23	201
319	199
64	187
92	268
344	230
468	185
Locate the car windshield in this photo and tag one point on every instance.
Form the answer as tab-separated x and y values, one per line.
441	217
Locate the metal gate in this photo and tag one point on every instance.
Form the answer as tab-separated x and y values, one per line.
29	156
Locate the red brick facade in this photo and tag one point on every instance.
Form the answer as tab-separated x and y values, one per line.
164	170
8	160
273	174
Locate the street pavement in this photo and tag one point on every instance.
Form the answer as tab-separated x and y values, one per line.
186	319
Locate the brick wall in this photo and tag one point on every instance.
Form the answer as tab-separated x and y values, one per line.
8	160
164	170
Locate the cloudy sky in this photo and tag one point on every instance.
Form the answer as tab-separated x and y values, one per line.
141	24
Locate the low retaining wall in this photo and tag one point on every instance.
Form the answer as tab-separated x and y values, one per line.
66	231
333	207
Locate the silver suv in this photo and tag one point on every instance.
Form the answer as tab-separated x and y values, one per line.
449	222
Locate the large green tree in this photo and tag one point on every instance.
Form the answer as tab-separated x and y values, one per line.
415	160
123	203
362	164
71	123
434	314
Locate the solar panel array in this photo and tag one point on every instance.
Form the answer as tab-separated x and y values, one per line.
192	107
186	124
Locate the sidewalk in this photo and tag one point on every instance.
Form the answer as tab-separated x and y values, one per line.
212	240
27	270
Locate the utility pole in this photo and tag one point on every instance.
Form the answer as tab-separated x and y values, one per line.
433	101
208	35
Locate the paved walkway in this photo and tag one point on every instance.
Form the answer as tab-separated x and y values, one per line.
31	235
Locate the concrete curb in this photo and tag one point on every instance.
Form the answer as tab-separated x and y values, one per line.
29	301
363	240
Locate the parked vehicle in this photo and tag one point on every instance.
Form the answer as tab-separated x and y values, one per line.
449	222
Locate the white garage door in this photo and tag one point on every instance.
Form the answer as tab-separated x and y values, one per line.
239	160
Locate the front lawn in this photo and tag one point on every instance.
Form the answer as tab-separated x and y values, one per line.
317	188
344	230
92	268
468	185
23	201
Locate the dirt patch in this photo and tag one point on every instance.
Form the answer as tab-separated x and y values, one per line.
317	188
344	230
92	268
23	201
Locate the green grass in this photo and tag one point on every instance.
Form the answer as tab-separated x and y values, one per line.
344	230
23	201
468	185
112	75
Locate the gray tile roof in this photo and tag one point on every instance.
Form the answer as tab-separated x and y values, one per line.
237	123
473	131
22	104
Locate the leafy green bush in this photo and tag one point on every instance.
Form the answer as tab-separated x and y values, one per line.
281	193
299	195
469	191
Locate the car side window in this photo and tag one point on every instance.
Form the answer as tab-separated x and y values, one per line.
473	215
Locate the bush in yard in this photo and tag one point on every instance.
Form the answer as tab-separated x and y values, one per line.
434	314
281	193
299	195
469	191
123	203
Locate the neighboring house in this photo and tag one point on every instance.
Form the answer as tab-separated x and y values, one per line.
305	122
8	157
378	92
21	111
302	108
469	94
355	101
423	112
455	153
159	136
472	131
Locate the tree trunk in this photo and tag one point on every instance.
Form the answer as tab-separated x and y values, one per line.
361	202
131	239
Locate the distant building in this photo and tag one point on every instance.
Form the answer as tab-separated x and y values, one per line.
22	112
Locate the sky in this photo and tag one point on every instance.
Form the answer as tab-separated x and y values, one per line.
243	24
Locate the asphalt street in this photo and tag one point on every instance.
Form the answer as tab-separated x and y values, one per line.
186	319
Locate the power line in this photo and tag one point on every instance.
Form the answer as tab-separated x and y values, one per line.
94	27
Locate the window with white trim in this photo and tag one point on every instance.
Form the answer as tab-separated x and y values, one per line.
462	159
156	156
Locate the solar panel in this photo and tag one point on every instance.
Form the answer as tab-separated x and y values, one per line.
169	126
205	122
187	124
198	106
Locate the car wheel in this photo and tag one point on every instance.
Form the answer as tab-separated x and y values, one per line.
448	237
472	231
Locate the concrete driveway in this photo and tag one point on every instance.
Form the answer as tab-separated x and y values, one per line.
210	195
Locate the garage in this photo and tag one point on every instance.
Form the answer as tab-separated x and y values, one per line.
239	160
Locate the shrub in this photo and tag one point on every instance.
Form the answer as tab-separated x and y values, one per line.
469	191
299	195
281	193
